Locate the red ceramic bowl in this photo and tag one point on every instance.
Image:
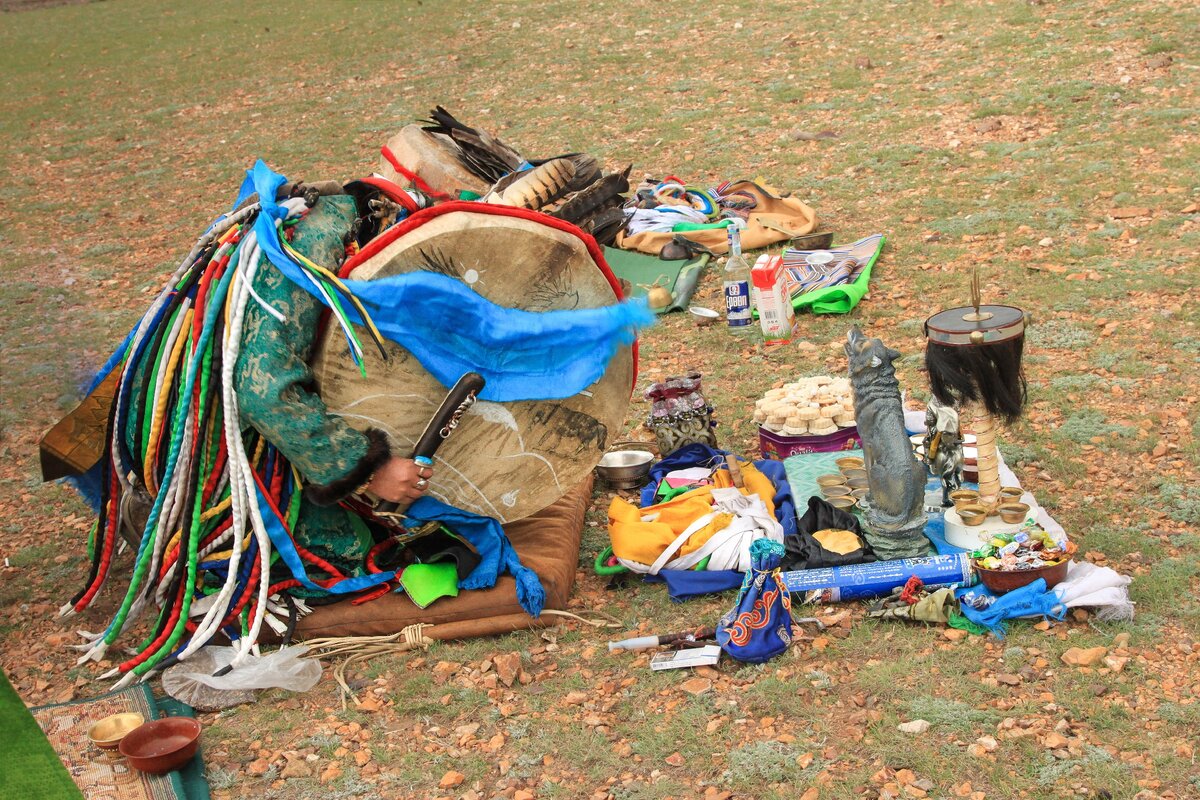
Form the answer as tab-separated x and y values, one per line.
1001	581
162	745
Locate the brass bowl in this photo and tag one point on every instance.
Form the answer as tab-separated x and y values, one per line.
843	503
850	462
859	494
1013	513
964	496
830	480
108	732
835	491
1008	493
857	483
853	473
972	513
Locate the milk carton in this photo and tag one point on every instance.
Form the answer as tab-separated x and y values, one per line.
771	298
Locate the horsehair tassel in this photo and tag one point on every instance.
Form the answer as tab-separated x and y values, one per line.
142	559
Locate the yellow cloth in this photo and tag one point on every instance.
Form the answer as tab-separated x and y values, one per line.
838	540
641	534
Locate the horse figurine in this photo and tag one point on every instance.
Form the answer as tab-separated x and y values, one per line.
943	447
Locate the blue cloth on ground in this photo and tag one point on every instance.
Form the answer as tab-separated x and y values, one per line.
1031	600
684	584
452	330
496	553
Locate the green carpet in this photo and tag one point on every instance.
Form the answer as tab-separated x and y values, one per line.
29	766
640	269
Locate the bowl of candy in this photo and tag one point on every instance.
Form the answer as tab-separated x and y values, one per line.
1011	560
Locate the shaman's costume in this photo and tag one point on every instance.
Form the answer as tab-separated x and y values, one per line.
216	428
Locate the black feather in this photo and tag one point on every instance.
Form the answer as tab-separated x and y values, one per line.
481	153
600	194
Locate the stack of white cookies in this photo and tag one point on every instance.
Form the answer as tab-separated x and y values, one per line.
816	406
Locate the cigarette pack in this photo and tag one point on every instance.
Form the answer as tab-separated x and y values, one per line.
708	654
775	313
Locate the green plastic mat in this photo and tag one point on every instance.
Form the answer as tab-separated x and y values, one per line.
640	269
29	766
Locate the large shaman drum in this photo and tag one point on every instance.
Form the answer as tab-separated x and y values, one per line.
505	460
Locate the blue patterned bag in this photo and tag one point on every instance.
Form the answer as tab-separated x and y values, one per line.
759	627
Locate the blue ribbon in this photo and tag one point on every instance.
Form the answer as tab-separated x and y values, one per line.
452	330
287	551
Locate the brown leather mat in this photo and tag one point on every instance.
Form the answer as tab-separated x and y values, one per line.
547	542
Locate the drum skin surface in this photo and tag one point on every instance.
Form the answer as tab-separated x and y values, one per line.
504	460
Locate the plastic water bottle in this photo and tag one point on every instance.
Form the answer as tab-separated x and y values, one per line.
737	285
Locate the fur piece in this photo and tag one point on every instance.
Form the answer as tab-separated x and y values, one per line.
991	374
538	187
378	452
483	154
601	193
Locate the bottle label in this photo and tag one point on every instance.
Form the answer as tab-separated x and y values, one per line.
737	303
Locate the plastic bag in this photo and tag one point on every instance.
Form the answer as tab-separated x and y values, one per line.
759	627
194	682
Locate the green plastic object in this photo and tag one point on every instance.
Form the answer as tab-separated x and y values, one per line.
427	583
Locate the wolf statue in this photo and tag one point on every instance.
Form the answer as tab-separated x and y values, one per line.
895	501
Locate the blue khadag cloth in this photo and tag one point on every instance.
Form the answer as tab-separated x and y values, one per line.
451	330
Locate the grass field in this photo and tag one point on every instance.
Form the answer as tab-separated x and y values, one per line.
1053	144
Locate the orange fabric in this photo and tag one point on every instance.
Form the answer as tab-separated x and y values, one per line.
641	534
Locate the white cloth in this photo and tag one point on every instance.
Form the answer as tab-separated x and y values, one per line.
1101	588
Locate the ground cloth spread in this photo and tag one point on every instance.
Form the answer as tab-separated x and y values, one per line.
98	776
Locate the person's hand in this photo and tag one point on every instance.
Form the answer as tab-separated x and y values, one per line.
400	480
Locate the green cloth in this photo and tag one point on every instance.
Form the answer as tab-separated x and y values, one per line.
274	385
804	469
426	583
680	277
840	299
29	767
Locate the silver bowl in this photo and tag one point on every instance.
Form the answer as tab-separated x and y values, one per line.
625	469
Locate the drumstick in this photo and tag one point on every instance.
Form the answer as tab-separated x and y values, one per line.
460	398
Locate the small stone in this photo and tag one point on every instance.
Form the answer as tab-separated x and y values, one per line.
1045	242
258	766
696	686
523	794
1116	663
1054	741
1130	212
676	759
575	698
1079	657
508	667
1008	679
917	726
954	634
296	768
331	772
988	743
1121	639
451	779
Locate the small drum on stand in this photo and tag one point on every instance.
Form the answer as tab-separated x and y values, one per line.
973	356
